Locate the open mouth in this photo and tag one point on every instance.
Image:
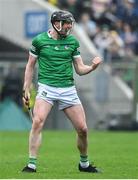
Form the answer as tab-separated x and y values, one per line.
65	31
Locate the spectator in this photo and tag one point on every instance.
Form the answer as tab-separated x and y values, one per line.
118	26
128	13
69	5
99	10
76	7
102	41
116	47
88	25
129	37
109	43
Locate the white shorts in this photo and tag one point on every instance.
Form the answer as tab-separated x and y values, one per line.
65	97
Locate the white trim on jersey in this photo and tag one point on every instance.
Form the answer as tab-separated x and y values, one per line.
76	56
33	54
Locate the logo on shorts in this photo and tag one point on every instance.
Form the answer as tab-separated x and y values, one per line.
44	93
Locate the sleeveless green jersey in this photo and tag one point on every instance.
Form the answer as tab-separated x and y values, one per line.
55	59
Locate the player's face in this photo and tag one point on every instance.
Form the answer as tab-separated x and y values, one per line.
65	27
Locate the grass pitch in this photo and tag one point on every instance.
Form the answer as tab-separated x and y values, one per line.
115	153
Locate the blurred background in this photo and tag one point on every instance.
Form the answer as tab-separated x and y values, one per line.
108	28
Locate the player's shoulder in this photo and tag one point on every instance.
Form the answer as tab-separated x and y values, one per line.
40	36
72	37
39	39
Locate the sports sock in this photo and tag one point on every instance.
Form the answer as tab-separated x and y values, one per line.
32	162
84	162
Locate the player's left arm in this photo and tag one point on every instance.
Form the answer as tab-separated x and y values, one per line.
83	69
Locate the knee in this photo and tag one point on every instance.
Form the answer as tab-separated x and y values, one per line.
37	123
83	131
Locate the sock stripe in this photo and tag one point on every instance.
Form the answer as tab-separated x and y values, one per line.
84	160
32	160
83	156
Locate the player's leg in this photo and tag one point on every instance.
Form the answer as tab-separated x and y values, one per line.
77	116
40	113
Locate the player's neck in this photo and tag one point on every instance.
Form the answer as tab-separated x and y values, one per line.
54	35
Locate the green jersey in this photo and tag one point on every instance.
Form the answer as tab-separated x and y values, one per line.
55	59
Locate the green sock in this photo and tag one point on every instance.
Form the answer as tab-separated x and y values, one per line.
83	158
84	162
32	160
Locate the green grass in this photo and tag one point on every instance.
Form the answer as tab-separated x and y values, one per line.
116	153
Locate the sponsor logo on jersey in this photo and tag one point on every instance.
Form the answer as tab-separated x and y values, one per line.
66	47
56	48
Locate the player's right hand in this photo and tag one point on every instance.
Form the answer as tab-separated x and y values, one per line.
26	98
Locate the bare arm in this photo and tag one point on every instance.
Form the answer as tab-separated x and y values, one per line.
83	69
28	78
